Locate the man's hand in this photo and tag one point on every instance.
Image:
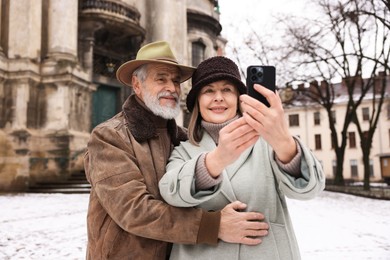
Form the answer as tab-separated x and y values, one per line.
241	227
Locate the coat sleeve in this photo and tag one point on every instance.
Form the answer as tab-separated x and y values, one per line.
306	187
177	186
122	192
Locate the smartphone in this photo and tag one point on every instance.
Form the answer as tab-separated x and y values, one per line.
263	75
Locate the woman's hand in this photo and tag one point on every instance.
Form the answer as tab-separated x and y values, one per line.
234	138
270	122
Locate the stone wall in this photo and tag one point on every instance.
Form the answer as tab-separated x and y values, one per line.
48	73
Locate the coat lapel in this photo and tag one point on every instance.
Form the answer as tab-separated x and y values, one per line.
229	173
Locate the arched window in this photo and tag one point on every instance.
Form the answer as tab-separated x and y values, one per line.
198	49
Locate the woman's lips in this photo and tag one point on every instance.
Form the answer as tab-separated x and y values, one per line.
218	109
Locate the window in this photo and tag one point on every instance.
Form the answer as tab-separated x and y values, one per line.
371	168
332	142
333	113
198	49
366	136
318	142
366	113
388	111
334	167
352	139
317	120
354	168
293	120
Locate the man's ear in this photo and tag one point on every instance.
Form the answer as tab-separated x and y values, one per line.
136	85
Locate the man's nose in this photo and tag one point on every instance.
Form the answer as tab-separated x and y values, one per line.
171	86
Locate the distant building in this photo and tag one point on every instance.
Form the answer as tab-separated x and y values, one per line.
310	122
57	73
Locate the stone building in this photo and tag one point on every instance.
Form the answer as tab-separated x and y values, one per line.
310	122
57	72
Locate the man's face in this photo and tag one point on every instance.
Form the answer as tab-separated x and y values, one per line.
161	90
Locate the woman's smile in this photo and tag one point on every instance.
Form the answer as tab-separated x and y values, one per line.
218	101
218	109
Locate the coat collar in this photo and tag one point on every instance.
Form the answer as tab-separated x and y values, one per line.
142	123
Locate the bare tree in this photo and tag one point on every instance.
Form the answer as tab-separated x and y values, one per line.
378	12
258	48
349	40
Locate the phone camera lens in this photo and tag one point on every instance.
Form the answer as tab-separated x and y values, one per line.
260	74
254	78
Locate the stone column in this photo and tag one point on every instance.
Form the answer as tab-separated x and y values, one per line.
167	20
62	29
58	107
86	34
62	34
171	28
24	32
22	92
1	31
23	44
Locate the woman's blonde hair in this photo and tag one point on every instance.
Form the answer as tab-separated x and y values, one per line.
195	130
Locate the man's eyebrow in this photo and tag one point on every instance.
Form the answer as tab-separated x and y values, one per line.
166	74
162	73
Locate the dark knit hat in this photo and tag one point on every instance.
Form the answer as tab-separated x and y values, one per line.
211	70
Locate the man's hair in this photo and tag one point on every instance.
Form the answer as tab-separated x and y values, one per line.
141	72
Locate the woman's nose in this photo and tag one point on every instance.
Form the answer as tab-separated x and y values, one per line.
218	96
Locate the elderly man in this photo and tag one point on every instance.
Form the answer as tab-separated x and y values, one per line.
126	158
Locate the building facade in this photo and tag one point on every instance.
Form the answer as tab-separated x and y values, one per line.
310	122
57	73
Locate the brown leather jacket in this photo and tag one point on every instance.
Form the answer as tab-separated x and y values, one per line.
127	218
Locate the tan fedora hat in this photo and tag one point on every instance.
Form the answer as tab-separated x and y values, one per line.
155	52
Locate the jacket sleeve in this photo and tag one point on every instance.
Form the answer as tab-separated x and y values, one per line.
306	187
120	187
177	186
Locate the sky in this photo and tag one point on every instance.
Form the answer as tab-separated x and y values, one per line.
239	20
332	226
234	17
261	14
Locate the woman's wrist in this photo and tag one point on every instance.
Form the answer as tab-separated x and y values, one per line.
213	164
287	150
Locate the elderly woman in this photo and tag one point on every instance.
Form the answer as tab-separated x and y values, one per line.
239	149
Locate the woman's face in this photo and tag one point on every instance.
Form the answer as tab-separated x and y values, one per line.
218	101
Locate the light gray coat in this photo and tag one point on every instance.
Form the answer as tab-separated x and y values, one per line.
255	179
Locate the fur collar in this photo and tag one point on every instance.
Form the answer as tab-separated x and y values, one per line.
142	122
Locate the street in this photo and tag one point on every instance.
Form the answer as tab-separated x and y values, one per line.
332	226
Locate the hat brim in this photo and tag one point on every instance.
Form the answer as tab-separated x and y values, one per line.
193	94
125	71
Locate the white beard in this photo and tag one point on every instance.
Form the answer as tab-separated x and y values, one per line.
166	112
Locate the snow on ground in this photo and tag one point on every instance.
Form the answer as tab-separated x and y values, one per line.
339	226
332	226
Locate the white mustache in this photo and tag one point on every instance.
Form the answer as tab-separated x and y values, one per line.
168	94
